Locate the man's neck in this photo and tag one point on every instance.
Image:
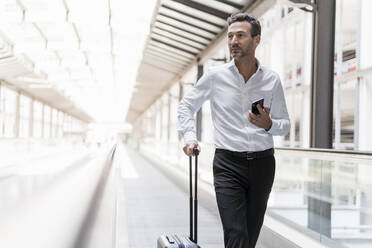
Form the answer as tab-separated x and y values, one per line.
247	67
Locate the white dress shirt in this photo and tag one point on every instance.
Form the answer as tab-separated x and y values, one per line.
231	99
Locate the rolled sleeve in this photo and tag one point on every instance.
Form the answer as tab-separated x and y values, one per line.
279	127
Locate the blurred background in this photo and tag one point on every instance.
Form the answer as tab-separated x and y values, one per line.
88	119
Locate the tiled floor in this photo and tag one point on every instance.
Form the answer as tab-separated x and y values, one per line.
92	203
155	206
51	204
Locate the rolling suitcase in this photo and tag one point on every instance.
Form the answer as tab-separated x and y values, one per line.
174	240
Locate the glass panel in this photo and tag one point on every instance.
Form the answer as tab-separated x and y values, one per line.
288	59
347	112
9	112
325	196
38	119
60	35
24	118
10	10
54	123
68	124
286	48
47	118
36	10
2	110
165	114
174	98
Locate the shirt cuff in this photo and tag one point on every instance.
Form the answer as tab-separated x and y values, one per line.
274	126
189	136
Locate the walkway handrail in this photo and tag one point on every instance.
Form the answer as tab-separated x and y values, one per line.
321	150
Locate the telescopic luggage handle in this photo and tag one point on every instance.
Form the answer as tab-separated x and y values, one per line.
194	208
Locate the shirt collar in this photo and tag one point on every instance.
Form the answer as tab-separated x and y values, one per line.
232	64
259	68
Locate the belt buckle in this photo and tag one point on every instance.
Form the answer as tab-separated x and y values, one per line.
249	158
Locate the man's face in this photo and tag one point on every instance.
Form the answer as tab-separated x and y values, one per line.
240	41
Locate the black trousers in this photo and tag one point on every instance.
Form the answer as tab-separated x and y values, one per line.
242	189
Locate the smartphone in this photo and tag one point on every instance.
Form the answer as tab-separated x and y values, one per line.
254	106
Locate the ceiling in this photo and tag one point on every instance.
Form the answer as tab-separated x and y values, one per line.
86	51
91	53
181	30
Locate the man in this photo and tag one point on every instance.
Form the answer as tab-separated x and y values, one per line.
243	165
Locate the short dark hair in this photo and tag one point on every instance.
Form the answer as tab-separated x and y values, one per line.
245	17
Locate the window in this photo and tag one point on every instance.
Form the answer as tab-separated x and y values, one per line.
9	114
24	116
38	119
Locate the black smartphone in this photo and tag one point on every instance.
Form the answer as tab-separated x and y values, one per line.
254	106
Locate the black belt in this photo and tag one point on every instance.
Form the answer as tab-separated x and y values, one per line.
249	155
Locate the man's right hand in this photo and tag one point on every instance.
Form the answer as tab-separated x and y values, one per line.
189	147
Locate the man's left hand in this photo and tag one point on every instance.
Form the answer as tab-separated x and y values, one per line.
263	119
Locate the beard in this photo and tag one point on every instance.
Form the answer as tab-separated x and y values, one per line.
238	52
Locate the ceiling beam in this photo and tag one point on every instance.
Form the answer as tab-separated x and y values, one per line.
174	46
164	61
186	23
192	16
178	41
184	30
159	67
230	3
175	52
164	56
204	8
160	50
182	36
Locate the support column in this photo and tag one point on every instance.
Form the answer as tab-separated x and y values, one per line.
31	120
169	116
51	123
158	120
43	120
164	118
17	122
319	207
323	69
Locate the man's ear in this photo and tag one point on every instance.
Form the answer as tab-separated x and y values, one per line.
257	40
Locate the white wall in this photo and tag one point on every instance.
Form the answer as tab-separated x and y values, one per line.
365	121
366	34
